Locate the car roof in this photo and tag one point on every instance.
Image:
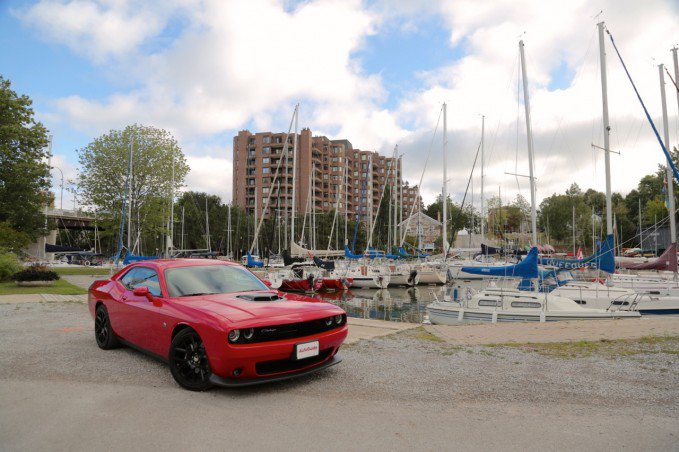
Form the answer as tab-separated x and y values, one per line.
184	262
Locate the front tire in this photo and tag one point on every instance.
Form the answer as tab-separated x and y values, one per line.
189	364
103	333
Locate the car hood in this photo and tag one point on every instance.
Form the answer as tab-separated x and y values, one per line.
235	307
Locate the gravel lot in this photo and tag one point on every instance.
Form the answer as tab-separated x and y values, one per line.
406	391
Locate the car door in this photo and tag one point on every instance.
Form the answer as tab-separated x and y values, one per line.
144	321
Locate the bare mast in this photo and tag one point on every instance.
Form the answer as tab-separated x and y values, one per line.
669	174
607	129
529	134
444	200
294	179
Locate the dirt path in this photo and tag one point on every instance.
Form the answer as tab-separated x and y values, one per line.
588	330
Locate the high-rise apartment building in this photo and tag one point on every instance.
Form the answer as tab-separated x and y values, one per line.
330	173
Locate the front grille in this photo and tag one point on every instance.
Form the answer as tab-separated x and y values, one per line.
287	365
291	330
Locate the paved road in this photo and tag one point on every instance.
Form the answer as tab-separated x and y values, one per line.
58	391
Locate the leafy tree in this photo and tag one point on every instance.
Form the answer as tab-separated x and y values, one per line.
103	174
24	173
457	217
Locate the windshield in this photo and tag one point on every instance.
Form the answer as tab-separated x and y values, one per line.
210	279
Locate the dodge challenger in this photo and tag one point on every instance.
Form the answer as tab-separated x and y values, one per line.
215	323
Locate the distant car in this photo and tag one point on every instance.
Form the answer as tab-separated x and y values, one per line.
215	323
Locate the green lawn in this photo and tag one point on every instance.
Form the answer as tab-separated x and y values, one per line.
97	271
60	287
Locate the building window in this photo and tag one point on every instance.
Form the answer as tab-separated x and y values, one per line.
251	153
251	182
265	160
363	157
355	173
265	190
278	140
265	180
265	170
266	149
266	139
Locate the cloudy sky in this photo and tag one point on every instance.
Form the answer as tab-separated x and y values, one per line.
374	72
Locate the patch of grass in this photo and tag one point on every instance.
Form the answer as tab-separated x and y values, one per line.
60	287
94	271
605	347
421	334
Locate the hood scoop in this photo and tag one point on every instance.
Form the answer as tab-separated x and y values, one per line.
259	296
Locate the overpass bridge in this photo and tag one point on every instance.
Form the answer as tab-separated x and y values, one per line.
78	220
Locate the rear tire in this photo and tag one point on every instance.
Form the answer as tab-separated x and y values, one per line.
103	333
189	363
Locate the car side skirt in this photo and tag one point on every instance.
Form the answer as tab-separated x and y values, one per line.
162	359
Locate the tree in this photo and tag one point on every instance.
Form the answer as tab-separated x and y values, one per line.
24	173
457	218
103	174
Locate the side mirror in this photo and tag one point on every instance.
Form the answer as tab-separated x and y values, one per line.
267	282
141	291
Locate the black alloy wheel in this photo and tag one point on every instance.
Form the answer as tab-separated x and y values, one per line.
103	332
188	361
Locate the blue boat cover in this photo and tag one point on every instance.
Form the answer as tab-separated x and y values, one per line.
603	259
254	263
349	255
527	268
129	258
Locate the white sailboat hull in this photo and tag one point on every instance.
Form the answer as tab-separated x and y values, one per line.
451	313
371	282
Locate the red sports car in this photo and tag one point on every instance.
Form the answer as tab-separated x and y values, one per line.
215	323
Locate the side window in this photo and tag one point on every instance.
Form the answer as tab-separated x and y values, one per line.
142	276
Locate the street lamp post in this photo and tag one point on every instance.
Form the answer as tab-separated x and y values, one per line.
61	199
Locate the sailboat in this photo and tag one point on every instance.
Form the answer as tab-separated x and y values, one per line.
127	210
512	304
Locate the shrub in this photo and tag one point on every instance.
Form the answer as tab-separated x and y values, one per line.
9	265
35	273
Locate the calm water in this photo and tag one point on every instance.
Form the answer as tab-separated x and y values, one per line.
393	304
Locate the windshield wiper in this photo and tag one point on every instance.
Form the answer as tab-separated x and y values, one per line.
197	294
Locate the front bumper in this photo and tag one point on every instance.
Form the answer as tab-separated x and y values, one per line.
238	382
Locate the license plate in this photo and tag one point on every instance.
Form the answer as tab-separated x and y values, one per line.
306	350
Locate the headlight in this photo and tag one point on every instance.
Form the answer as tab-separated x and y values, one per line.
338	319
328	321
247	334
234	335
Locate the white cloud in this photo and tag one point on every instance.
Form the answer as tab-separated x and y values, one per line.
249	61
210	174
97	29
